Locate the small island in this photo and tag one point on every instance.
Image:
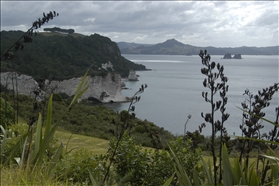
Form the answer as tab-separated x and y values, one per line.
237	56
229	56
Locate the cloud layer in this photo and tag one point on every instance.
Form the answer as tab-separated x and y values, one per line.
199	23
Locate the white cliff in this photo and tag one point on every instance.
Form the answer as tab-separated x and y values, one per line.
105	89
26	84
132	76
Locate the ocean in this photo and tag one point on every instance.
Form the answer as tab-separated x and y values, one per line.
175	86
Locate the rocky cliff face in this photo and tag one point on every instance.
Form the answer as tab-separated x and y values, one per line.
132	76
105	89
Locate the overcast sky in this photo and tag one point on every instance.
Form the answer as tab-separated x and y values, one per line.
199	23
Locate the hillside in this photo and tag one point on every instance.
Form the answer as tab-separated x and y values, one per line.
63	56
91	120
174	47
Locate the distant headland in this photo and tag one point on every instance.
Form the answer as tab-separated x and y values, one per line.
174	47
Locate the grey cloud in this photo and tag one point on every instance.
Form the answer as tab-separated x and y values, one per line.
198	23
268	18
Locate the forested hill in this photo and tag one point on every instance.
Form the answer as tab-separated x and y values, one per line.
63	56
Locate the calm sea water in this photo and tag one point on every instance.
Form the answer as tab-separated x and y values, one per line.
175	88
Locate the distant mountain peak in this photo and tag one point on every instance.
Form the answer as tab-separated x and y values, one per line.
171	42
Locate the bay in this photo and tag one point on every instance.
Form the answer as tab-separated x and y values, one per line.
175	90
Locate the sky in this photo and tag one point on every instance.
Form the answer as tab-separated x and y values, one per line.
197	23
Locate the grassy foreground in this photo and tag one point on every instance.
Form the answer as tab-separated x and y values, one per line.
72	142
77	141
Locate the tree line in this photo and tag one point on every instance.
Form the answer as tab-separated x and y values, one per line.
61	30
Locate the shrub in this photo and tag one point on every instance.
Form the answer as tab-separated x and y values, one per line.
134	165
13	134
6	113
75	166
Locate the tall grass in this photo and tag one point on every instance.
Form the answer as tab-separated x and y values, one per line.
38	142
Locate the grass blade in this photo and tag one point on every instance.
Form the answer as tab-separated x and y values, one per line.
16	147
253	178
196	178
45	144
208	172
82	87
168	182
55	158
238	176
258	140
273	123
227	171
94	183
49	115
38	138
4	136
270	157
180	172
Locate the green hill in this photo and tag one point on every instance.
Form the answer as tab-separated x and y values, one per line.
63	56
91	120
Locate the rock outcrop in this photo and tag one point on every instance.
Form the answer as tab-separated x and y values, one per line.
105	89
227	56
237	56
132	76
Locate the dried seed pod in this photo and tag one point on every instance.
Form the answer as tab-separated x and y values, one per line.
9	55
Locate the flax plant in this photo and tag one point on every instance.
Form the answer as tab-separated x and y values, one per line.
213	75
252	118
38	146
233	172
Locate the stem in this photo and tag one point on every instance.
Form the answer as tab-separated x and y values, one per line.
213	137
6	103
17	106
14	96
241	152
222	127
220	152
113	154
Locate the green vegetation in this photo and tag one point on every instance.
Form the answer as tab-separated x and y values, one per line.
90	120
57	29
6	113
59	56
34	152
